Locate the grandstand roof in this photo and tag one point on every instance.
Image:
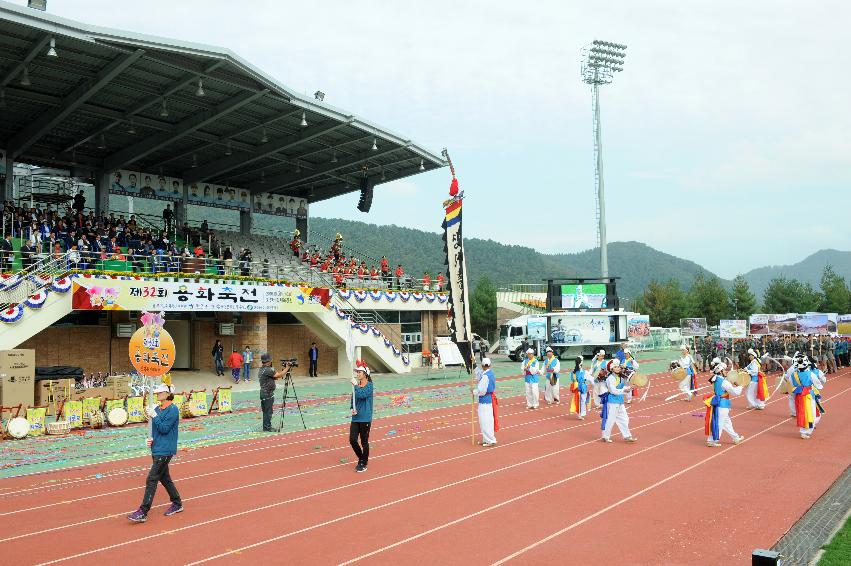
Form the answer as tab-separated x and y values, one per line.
99	106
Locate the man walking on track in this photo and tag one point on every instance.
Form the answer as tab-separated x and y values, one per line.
361	415
485	390
551	387
614	410
313	356
164	420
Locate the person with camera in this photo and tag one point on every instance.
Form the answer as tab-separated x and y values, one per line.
362	391
267	376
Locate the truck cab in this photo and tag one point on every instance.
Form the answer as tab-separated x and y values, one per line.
512	334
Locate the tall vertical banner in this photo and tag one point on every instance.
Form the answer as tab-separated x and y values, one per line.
458	316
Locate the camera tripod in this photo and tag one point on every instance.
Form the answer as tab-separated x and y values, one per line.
289	393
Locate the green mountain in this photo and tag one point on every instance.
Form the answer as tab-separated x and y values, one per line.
637	264
807	270
421	251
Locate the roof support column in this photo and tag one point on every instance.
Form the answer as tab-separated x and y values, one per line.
102	181
303	225
245	222
181	210
8	165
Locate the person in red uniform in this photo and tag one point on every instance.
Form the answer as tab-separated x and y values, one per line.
399	273
426	281
373	274
440	281
385	269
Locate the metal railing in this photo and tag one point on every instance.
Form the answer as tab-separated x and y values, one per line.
26	283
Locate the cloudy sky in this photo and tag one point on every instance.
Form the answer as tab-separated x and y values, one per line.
726	136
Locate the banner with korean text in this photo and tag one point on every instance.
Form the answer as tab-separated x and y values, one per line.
140	295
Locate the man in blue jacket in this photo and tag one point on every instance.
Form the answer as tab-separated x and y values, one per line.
164	420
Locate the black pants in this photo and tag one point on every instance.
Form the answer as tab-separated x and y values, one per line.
159	474
312	370
266	404
362	449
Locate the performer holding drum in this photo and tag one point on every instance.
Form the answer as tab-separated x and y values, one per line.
531	369
757	388
718	406
578	390
630	367
612	399
552	367
807	409
684	370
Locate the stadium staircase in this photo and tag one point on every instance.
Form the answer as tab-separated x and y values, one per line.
33	286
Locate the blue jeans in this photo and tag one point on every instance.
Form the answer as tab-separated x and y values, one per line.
220	365
246	371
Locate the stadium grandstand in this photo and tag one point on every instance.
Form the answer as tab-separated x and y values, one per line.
132	162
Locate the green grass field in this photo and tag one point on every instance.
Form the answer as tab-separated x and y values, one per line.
838	552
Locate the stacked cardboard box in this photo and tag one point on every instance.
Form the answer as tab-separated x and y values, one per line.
53	392
17	378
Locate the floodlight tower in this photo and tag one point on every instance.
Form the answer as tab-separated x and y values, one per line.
600	61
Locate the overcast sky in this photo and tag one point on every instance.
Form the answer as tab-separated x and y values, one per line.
726	136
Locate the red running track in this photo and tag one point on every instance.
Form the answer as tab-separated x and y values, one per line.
549	493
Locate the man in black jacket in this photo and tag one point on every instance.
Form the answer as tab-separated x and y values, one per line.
313	356
27	254
7	253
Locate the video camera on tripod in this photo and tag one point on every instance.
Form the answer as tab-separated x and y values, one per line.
289	362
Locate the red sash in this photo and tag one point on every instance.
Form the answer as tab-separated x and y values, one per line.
495	405
803	410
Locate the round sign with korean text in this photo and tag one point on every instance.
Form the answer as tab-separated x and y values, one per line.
151	346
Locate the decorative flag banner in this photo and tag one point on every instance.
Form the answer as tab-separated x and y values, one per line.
72	411
759	325
91	405
458	315
135	409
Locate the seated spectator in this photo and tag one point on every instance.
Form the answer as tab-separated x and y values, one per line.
199	251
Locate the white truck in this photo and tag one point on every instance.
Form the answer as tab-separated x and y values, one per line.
569	334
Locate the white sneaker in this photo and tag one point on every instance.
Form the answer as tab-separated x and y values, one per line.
739	440
581	418
605	440
630	439
713	444
805	436
488	444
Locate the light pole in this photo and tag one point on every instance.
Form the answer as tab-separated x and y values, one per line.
600	61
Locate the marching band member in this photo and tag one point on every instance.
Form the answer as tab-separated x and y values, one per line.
614	410
630	367
531	369
806	408
485	390
579	390
552	367
718	406
687	385
757	388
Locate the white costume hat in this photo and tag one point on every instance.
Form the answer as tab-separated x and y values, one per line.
162	388
486	361
530	351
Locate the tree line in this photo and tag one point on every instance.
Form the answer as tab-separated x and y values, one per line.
667	302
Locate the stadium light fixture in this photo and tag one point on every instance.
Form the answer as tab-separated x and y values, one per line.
52	51
25	76
229	149
374	144
600	61
334	157
164	110
383	176
102	142
264	138
194	160
303	120
132	128
297	167
200	90
422	165
262	177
